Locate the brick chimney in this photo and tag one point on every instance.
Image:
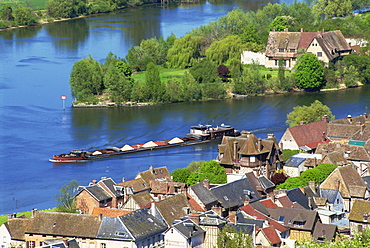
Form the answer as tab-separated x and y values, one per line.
207	183
325	118
235	147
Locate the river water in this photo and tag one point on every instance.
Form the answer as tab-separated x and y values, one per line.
34	71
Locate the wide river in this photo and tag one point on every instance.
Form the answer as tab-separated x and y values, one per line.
34	71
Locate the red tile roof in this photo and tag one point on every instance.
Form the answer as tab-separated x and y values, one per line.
110	212
269	203
271	235
309	133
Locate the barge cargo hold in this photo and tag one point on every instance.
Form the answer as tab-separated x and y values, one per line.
198	134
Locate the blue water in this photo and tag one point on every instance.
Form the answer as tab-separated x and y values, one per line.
34	71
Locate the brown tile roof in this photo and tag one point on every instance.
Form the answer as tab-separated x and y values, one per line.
137	185
335	158
110	212
195	205
360	208
353	152
309	133
173	208
155	173
292	216
64	224
342	131
332	43
17	227
326	231
271	235
306	39
143	199
268	203
164	187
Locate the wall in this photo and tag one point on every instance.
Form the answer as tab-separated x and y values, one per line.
248	57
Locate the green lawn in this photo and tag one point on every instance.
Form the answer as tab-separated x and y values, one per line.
165	74
34	4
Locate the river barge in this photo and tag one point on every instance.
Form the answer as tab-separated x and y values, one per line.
198	134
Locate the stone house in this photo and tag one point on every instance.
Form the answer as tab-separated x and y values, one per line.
359	216
268	237
155	174
184	233
300	162
12	232
349	184
247	153
163	189
327	46
201	194
138	201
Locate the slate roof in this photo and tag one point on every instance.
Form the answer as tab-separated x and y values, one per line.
203	193
243	227
294	161
141	224
143	199
110	184
367	182
110	212
329	194
160	173
234	194
188	228
173	208
17	227
266	183
355	152
113	228
296	195
360	208
292	215
241	218
97	192
64	224
137	185
210	218
324	230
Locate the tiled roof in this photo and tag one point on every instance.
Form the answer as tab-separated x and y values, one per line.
352	152
110	212
203	193
154	174
97	192
64	224
17	227
335	158
137	185
109	183
360	209
143	199
268	203
173	208
308	133
141	224
271	235
326	231
234	194
113	228
165	187
296	195
195	205
292	217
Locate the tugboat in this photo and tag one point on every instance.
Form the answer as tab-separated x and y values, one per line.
72	157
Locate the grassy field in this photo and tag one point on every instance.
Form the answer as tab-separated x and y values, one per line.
4	218
34	4
165	74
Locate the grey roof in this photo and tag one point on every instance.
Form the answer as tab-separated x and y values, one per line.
98	192
330	194
296	195
326	231
141	224
266	183
291	215
110	185
260	207
113	228
203	193
234	194
188	228
367	181
242	227
210	218
295	161
243	219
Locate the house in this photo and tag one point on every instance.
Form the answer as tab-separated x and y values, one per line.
105	193
327	46
138	201
172	208
45	226
325	232
349	184
300	162
247	153
71	243
201	194
305	137
155	174
210	222
268	237
163	189
184	233
335	201
12	232
134	186
136	229
233	195
359	216
110	212
355	128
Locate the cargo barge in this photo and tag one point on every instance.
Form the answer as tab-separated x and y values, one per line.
198	134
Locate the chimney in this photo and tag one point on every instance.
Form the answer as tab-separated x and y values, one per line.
323	137
325	118
286	30
33	212
207	183
312	186
12	216
270	135
100	217
235	150
245	134
349	118
301	122
259	144
123	179
246	201
301	30
232	216
93	181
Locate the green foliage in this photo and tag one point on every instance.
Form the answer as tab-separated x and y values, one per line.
309	73
205	71
86	79
24	15
333	7
250	81
225	50
308	114
154	86
210	170
287	153
184	52
361	63
230	238
181	175
279	23
65	198
291	183
138	58
234	22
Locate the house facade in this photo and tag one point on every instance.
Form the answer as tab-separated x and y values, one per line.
327	46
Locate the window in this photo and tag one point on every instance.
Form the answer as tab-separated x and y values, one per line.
281	218
281	50
293	59
270	58
103	245
252	159
292	50
276	62
319	54
31	244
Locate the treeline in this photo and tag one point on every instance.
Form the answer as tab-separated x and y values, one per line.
18	14
210	58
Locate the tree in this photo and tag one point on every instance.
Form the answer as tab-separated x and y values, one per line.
184	52
280	23
210	170
225	50
291	183
229	237
333	8
223	72
138	58
309	73
153	83
181	175
24	15
204	71
308	114
278	178
65	197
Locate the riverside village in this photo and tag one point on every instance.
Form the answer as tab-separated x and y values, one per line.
154	210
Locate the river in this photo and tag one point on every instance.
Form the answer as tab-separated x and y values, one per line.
34	71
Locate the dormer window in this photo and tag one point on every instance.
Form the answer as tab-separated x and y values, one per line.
281	50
